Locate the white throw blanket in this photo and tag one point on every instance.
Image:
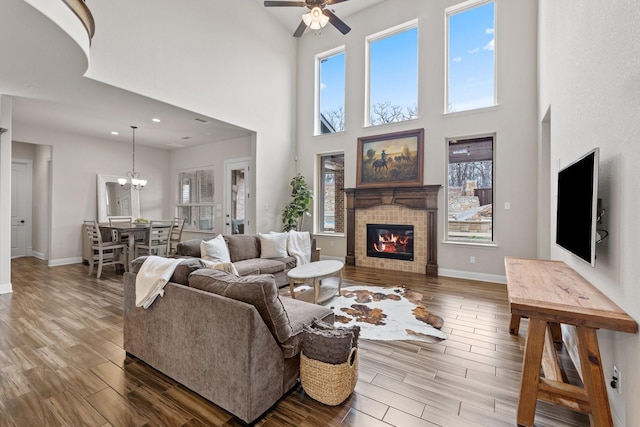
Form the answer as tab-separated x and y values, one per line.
153	275
299	246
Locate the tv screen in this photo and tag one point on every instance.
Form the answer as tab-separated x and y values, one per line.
577	207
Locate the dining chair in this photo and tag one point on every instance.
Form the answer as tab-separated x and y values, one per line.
176	235
117	235
157	239
104	253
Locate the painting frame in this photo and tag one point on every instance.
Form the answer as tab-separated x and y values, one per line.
396	160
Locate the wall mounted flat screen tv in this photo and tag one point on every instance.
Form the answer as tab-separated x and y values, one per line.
577	212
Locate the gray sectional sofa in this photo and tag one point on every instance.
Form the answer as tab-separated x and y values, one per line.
231	339
244	250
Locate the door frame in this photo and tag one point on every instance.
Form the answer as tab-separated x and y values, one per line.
28	203
230	165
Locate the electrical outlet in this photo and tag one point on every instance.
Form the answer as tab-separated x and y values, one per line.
472	260
617	375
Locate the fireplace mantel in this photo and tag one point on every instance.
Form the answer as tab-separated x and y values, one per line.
423	198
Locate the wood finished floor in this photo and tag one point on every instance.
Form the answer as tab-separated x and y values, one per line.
62	362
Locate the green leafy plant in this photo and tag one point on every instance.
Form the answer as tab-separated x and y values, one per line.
294	213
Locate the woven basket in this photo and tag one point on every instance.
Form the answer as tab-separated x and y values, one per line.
327	383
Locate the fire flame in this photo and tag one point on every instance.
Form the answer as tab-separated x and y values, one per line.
391	243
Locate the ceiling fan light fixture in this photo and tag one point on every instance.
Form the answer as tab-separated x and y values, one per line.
315	19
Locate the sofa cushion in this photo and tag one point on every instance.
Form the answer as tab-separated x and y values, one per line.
302	314
189	248
264	266
289	262
243	246
260	291
215	250
227	267
247	267
273	245
180	274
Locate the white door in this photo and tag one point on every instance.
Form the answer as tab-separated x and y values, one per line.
237	194
20	207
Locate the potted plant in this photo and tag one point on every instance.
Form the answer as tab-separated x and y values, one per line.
293	214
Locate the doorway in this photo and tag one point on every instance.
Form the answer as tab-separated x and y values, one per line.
237	194
21	195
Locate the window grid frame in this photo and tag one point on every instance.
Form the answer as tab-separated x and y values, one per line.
460	8
372	38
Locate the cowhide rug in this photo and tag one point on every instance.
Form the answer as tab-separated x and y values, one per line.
393	313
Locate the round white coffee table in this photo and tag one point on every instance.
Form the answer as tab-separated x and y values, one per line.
314	272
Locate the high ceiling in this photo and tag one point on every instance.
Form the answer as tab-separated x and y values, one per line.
59	100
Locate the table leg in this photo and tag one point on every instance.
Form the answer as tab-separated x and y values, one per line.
131	248
340	283
316	290
531	372
593	377
514	324
291	286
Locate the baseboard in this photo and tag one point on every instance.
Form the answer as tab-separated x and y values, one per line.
64	261
5	288
470	275
39	255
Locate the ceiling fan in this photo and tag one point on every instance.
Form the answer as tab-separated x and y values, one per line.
317	17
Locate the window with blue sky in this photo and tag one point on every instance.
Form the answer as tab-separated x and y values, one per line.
331	89
393	75
471	57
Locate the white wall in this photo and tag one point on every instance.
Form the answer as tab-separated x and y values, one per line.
213	154
75	162
590	77
41	201
513	120
224	59
5	194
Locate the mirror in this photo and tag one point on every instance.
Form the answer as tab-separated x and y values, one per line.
113	200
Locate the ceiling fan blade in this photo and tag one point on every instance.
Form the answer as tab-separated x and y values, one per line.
334	1
336	22
269	3
300	29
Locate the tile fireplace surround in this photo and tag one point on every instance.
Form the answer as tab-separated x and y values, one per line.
411	205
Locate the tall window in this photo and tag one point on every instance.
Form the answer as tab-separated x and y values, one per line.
330	92
470	190
471	56
393	75
195	202
331	200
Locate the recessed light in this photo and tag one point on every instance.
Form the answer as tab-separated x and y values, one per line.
115	133
155	119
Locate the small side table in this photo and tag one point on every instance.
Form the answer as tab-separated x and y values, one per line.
314	272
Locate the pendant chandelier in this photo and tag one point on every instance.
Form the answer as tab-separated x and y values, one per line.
133	181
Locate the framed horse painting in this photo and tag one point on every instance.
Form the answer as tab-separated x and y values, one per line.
392	159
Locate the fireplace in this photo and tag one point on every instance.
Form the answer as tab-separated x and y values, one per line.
390	241
406	199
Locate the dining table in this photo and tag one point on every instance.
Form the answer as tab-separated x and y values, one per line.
134	231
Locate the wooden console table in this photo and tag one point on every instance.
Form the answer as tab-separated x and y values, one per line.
550	293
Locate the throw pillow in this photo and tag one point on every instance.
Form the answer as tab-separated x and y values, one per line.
273	245
215	250
227	267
